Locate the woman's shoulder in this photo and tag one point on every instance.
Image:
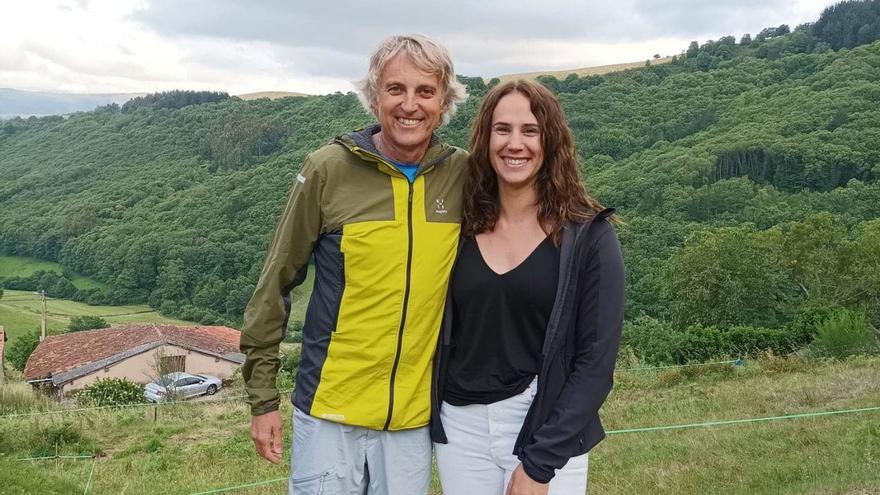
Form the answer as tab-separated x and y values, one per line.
597	231
596	221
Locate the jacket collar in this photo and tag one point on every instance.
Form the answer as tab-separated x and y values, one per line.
360	142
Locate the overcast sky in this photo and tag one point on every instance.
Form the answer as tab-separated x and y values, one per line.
241	46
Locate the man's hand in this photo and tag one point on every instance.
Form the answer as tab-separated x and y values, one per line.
521	484
266	434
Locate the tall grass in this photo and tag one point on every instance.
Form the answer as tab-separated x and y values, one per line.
18	398
193	446
845	333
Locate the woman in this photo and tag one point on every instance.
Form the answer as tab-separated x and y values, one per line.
534	312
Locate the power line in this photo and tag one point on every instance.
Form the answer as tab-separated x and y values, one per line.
630	430
239	487
738	421
126	406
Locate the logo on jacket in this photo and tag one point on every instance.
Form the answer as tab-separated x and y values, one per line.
440	206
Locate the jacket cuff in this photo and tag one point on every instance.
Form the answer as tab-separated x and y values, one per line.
263	400
536	472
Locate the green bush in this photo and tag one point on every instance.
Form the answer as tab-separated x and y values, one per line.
80	323
658	343
289	367
111	392
294	332
21	349
844	333
290	361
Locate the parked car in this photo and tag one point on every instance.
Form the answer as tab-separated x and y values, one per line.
181	385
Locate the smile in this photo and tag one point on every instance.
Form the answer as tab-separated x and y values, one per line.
515	162
409	122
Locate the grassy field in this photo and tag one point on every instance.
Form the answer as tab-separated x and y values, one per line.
272	95
20	312
20	266
584	71
196	447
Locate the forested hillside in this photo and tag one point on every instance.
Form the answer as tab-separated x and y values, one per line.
745	171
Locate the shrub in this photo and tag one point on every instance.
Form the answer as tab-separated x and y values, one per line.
290	361
289	367
650	339
111	392
657	342
844	333
294	332
80	323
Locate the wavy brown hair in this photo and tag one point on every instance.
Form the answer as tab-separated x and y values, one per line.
561	194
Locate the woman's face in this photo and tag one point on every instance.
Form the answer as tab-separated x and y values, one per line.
515	149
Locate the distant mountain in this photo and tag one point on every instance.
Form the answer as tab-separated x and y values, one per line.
19	103
15	102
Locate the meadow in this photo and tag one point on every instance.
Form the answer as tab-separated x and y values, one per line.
203	446
20	312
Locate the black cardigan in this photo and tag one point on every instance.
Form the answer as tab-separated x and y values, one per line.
580	350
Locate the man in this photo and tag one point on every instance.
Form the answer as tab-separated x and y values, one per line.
380	210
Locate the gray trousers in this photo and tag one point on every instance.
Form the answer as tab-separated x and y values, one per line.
334	459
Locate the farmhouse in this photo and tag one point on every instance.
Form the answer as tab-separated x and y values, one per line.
66	363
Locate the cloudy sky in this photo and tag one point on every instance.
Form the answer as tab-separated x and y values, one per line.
240	46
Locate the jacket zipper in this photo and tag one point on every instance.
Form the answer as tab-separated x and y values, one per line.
409	250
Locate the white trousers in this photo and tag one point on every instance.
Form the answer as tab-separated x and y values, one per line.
479	460
334	459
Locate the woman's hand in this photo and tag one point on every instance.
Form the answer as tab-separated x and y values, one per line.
521	484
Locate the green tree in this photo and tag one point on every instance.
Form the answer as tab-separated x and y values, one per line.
811	252
21	348
726	277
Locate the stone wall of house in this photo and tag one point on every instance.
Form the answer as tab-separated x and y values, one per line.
142	368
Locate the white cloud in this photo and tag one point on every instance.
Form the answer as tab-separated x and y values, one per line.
235	46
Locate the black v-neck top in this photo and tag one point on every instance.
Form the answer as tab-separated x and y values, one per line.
499	322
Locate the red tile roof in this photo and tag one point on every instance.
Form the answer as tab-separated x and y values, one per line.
62	353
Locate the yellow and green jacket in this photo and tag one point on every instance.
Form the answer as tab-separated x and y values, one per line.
383	251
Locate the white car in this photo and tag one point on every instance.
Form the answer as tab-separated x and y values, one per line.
181	385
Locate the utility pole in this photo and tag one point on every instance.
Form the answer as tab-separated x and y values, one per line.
43	317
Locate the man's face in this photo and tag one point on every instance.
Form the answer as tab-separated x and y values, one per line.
409	107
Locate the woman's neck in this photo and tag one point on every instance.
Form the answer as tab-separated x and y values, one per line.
517	205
